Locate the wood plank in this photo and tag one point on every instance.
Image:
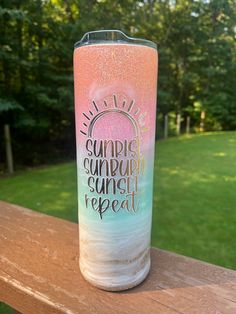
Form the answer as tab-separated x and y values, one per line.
39	273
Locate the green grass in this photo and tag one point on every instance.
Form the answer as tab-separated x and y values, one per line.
194	195
51	190
5	309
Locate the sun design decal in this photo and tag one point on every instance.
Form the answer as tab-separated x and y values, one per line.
112	160
119	104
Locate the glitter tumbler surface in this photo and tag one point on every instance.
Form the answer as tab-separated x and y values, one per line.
115	103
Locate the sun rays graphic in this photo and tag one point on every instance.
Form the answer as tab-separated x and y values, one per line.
114	104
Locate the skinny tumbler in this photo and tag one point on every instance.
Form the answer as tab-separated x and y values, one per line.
115	81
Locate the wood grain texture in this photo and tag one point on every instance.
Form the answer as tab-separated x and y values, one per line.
39	273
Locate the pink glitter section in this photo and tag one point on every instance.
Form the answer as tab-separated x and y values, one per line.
114	124
117	73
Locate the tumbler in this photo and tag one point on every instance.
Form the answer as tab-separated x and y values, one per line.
115	84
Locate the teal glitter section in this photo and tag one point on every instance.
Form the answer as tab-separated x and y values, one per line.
143	196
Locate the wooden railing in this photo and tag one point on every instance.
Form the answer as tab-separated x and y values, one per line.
39	273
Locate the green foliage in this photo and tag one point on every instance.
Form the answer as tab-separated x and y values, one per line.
197	62
8	105
194	195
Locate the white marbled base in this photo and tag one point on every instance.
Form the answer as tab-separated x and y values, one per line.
116	256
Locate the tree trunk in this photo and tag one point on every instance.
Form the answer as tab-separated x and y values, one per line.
188	125
166	126
202	123
178	122
9	157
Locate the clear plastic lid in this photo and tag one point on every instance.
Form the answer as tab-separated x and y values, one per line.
111	37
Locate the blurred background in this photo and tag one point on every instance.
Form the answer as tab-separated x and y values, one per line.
195	171
197	66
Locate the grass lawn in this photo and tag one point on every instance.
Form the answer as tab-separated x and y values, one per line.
194	195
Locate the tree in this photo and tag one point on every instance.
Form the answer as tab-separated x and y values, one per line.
197	63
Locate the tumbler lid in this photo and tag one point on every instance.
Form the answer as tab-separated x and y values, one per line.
111	37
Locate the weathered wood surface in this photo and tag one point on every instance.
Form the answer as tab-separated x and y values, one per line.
39	273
